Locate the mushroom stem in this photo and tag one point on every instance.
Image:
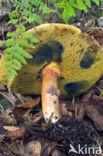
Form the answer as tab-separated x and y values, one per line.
50	93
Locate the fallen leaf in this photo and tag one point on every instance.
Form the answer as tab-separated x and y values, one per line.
90	23
87	96
97	98
81	112
23	109
63	107
37	117
98	35
15	148
96	115
10	128
17	134
9	97
33	148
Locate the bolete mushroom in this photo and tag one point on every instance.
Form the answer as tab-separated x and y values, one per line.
64	58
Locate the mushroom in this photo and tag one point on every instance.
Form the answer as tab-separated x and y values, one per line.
64	58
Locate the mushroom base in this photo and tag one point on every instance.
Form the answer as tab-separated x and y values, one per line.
50	95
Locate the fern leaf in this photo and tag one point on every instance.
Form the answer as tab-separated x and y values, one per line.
9	50
80	5
29	37
67	13
8	63
9	57
35	3
34	17
47	11
16	62
23	53
13	21
10	42
88	3
15	67
11	76
12	34
97	2
24	43
20	58
61	4
1	43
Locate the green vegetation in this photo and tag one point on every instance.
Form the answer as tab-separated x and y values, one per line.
69	7
27	14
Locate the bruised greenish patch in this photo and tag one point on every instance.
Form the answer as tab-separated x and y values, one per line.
43	54
57	49
87	60
75	88
47	52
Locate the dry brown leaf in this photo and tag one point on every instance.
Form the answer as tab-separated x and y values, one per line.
16	148
89	23
64	110
81	112
9	97
23	109
86	97
97	32
98	35
96	115
30	104
37	117
33	148
97	98
10	128
17	134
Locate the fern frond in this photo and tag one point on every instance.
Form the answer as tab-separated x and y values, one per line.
97	2
15	67
34	17
29	37
9	57
10	42
18	63
88	3
20	58
24	43
22	52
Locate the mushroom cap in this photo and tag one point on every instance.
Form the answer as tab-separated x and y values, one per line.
79	57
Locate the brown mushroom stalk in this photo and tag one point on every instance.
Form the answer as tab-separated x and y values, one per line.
50	93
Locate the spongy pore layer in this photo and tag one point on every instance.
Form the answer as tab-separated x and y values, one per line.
79	57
